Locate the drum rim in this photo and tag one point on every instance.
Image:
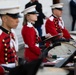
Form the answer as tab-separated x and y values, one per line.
68	43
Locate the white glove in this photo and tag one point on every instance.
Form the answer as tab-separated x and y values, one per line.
48	35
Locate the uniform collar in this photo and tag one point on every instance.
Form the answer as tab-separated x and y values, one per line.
54	16
29	24
4	30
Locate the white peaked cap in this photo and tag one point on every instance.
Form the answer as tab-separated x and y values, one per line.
9	6
30	10
58	5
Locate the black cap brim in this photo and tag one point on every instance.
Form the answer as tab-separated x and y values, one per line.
34	12
17	15
59	8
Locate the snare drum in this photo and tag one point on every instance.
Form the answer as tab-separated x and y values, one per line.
52	71
65	49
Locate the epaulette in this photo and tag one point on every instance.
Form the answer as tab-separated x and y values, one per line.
51	18
0	31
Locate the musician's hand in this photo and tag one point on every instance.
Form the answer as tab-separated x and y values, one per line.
6	71
61	34
48	35
16	62
71	39
49	55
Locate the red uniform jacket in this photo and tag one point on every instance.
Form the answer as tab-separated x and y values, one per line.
2	71
7	49
31	39
54	26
